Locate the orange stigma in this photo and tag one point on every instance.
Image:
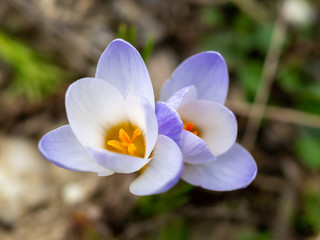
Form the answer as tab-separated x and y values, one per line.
189	126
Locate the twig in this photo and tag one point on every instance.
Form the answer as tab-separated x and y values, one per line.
254	9
268	75
280	114
3	9
288	200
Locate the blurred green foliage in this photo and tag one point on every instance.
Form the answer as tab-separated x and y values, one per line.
307	147
250	235
175	229
156	204
130	34
127	33
244	44
241	41
33	75
90	233
309	219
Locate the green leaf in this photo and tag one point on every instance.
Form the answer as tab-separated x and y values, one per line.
308	150
130	35
127	33
211	16
33	75
122	31
249	77
147	49
308	219
156	204
250	235
289	79
175	229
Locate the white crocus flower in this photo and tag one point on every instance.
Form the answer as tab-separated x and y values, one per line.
113	127
197	90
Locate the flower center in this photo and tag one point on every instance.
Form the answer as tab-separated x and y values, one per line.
189	126
125	138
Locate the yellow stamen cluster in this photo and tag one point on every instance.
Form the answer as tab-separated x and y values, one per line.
126	144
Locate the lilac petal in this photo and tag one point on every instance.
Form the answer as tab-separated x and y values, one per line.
122	66
182	96
207	71
233	170
120	163
162	172
141	113
62	148
169	122
92	106
216	123
194	149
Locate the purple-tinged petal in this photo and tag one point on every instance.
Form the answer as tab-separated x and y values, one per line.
233	170
207	71
93	106
195	149
169	122
62	148
117	162
182	96
217	125
122	66
141	113
162	172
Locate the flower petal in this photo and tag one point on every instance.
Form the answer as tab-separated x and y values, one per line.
122	66
141	113
62	148
233	170
92	106
207	71
195	149
217	124
169	122
120	163
162	172
182	96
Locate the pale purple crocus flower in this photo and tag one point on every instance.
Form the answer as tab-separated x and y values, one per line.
113	127
197	90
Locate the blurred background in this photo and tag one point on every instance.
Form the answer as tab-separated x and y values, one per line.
273	54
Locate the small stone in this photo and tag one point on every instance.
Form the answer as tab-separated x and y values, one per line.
23	181
73	193
298	12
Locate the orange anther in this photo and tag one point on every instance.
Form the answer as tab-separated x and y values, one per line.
126	145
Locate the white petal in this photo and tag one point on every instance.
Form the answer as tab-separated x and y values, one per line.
62	148
217	124
141	113
207	71
233	170
183	96
122	66
120	163
162	172
92	106
194	149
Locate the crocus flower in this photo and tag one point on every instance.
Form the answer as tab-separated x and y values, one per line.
197	90
113	127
